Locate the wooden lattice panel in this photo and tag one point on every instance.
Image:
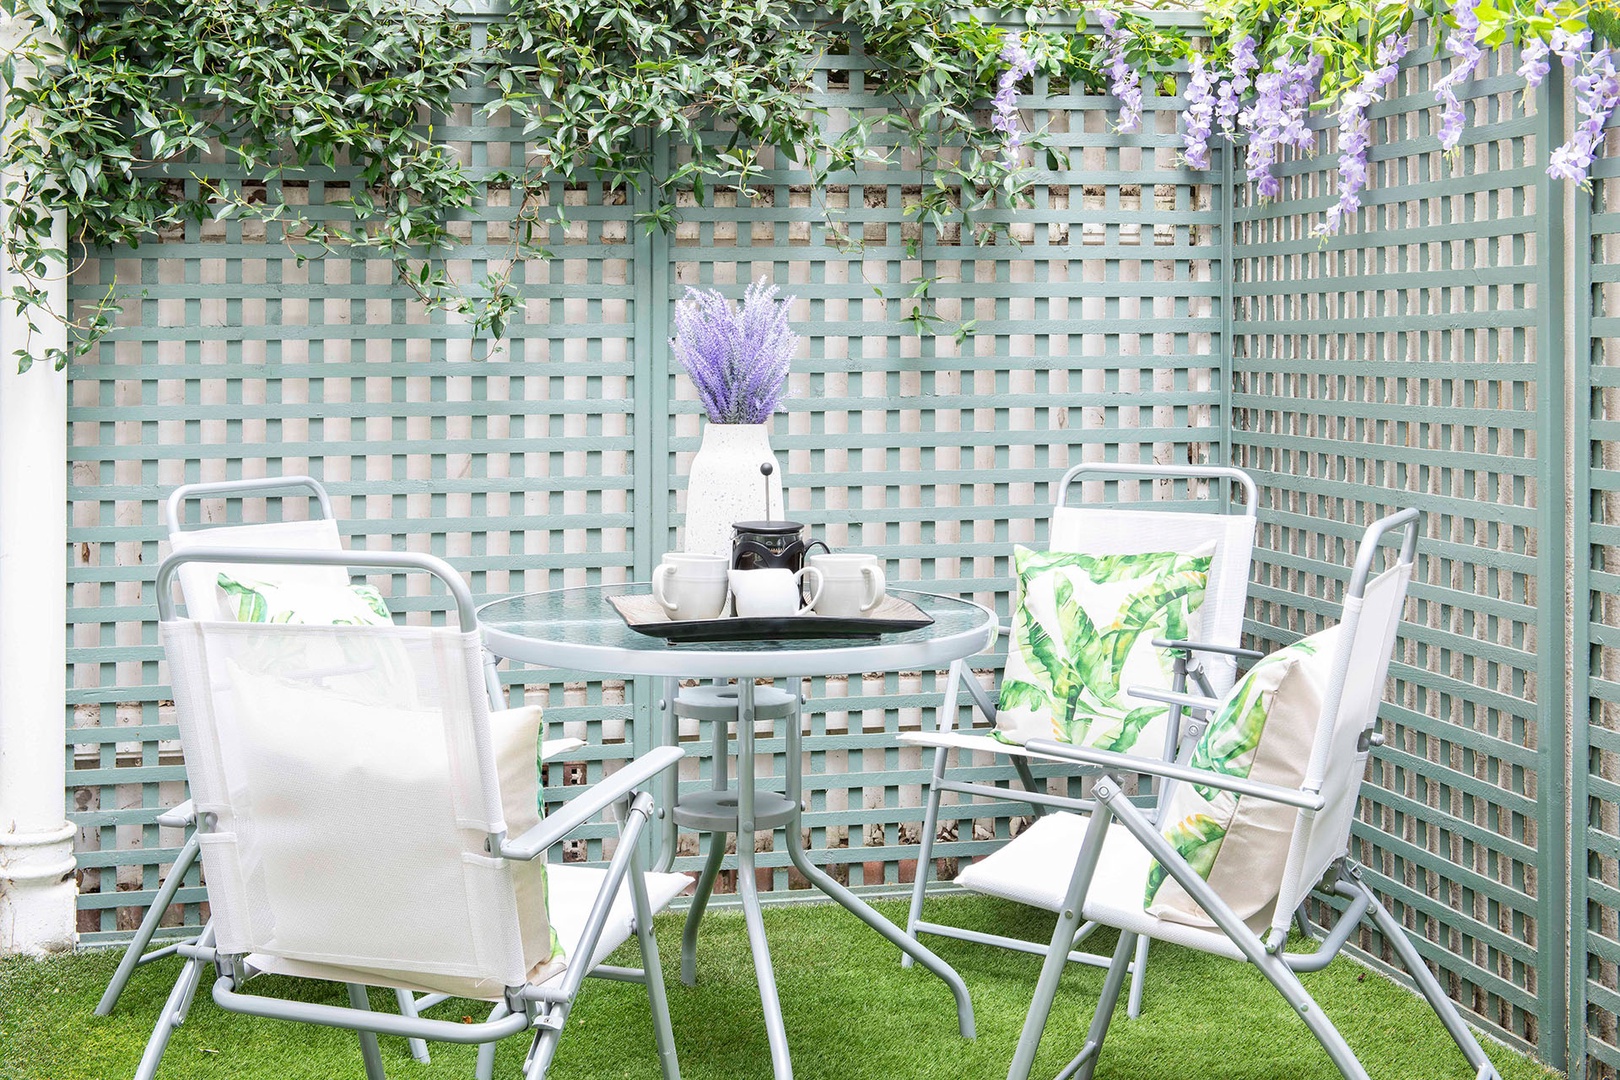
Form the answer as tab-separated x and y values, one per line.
1403	363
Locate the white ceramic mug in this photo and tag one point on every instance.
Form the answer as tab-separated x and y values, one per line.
690	585
852	584
772	592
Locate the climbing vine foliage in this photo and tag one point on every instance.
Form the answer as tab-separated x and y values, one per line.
138	117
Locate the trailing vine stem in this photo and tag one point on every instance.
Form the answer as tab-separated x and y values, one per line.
140	118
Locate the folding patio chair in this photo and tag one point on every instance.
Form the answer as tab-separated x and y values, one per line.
1257	818
1206	536
203	600
366	819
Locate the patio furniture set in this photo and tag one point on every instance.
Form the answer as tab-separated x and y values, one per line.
366	807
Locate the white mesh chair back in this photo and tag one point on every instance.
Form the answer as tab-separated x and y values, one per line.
198	581
1350	711
352	777
1118	530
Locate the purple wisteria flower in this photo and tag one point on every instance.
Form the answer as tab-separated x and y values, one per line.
737	359
1004	106
1461	44
1201	106
1597	92
1355	130
1229	96
1276	119
1124	81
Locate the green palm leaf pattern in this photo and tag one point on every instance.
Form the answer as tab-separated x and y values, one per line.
1150	609
1130	727
1228	746
248	602
1197	839
1076	660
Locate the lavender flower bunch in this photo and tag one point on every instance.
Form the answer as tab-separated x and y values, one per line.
737	359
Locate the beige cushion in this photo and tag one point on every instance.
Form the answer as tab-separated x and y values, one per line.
1264	731
1083	630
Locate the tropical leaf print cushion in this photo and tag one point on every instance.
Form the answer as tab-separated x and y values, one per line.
1264	731
288	602
1082	632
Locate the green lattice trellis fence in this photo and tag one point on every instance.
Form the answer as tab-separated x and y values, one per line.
1405	362
1146	311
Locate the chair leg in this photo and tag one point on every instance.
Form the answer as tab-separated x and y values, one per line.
653	972
1427	984
1287	983
1133	1006
1057	957
485	1068
407	1007
370	1053
700	903
1085	1062
544	1046
174	1011
149	925
925	852
1026	776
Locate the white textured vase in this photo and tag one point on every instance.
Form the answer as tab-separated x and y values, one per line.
725	486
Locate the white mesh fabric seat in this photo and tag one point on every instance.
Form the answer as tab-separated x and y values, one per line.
1206	519
1116	862
204	600
1037	873
357	802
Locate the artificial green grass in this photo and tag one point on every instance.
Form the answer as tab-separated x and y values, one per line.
852	1013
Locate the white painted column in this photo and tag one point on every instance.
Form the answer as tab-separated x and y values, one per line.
37	889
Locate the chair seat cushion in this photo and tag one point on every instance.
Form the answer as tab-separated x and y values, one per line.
1082	632
1036	866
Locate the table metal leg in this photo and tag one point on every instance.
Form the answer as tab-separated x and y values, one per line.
719	776
827	884
700	901
747	886
669	782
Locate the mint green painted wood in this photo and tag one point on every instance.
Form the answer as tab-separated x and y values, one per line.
1147	313
1405	362
1594	1041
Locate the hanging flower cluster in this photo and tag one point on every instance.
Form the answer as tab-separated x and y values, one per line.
1597	92
1004	107
1124	81
1355	130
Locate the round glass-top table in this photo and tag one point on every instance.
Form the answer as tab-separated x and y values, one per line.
579	630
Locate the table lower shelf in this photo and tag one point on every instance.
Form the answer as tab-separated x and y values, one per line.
716	811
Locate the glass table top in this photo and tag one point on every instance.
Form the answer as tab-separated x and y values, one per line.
578	629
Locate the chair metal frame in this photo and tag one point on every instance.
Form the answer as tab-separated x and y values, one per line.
1267	953
183	816
543	1008
1179	736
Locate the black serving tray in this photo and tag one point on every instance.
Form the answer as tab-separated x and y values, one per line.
644	615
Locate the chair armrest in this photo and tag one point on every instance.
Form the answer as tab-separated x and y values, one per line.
599	797
1191	702
1202	646
179	817
1107	759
